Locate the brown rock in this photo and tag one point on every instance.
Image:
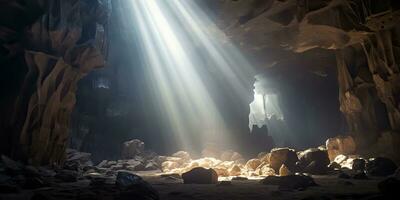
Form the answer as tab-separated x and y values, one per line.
284	171
252	164
200	175
235	170
266	170
340	145
281	156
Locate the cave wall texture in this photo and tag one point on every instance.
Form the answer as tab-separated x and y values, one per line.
363	35
53	44
46	47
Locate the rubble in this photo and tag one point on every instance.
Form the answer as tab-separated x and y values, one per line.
200	175
340	145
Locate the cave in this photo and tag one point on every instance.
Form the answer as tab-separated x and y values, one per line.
199	99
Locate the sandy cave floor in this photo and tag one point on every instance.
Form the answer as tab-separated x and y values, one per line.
330	187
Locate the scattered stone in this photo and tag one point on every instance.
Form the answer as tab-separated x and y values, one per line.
380	167
340	145
284	171
67	175
102	164
200	175
134	187
253	164
235	170
359	164
267	171
291	182
316	168
281	156
334	166
151	166
82	158
169	165
389	187
132	148
360	176
313	161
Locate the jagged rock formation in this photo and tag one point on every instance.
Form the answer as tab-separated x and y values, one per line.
362	34
65	43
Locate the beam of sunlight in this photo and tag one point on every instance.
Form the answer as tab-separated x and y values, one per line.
181	48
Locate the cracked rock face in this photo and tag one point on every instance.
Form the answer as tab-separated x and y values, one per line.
363	36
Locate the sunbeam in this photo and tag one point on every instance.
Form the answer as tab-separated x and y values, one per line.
183	78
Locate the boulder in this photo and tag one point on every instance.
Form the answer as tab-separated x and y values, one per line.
252	164
317	168
284	171
134	187
314	154
235	170
380	166
281	156
151	166
83	158
334	166
291	182
200	175
221	171
314	161
266	170
359	164
340	145
132	148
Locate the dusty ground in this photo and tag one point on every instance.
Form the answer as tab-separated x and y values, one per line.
329	188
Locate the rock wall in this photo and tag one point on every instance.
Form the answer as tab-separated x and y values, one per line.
64	44
362	34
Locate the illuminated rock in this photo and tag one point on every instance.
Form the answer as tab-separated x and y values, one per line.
253	164
267	171
221	171
284	171
169	165
183	155
200	175
281	156
235	170
344	145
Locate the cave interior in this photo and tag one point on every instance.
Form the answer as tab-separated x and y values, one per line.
199	99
